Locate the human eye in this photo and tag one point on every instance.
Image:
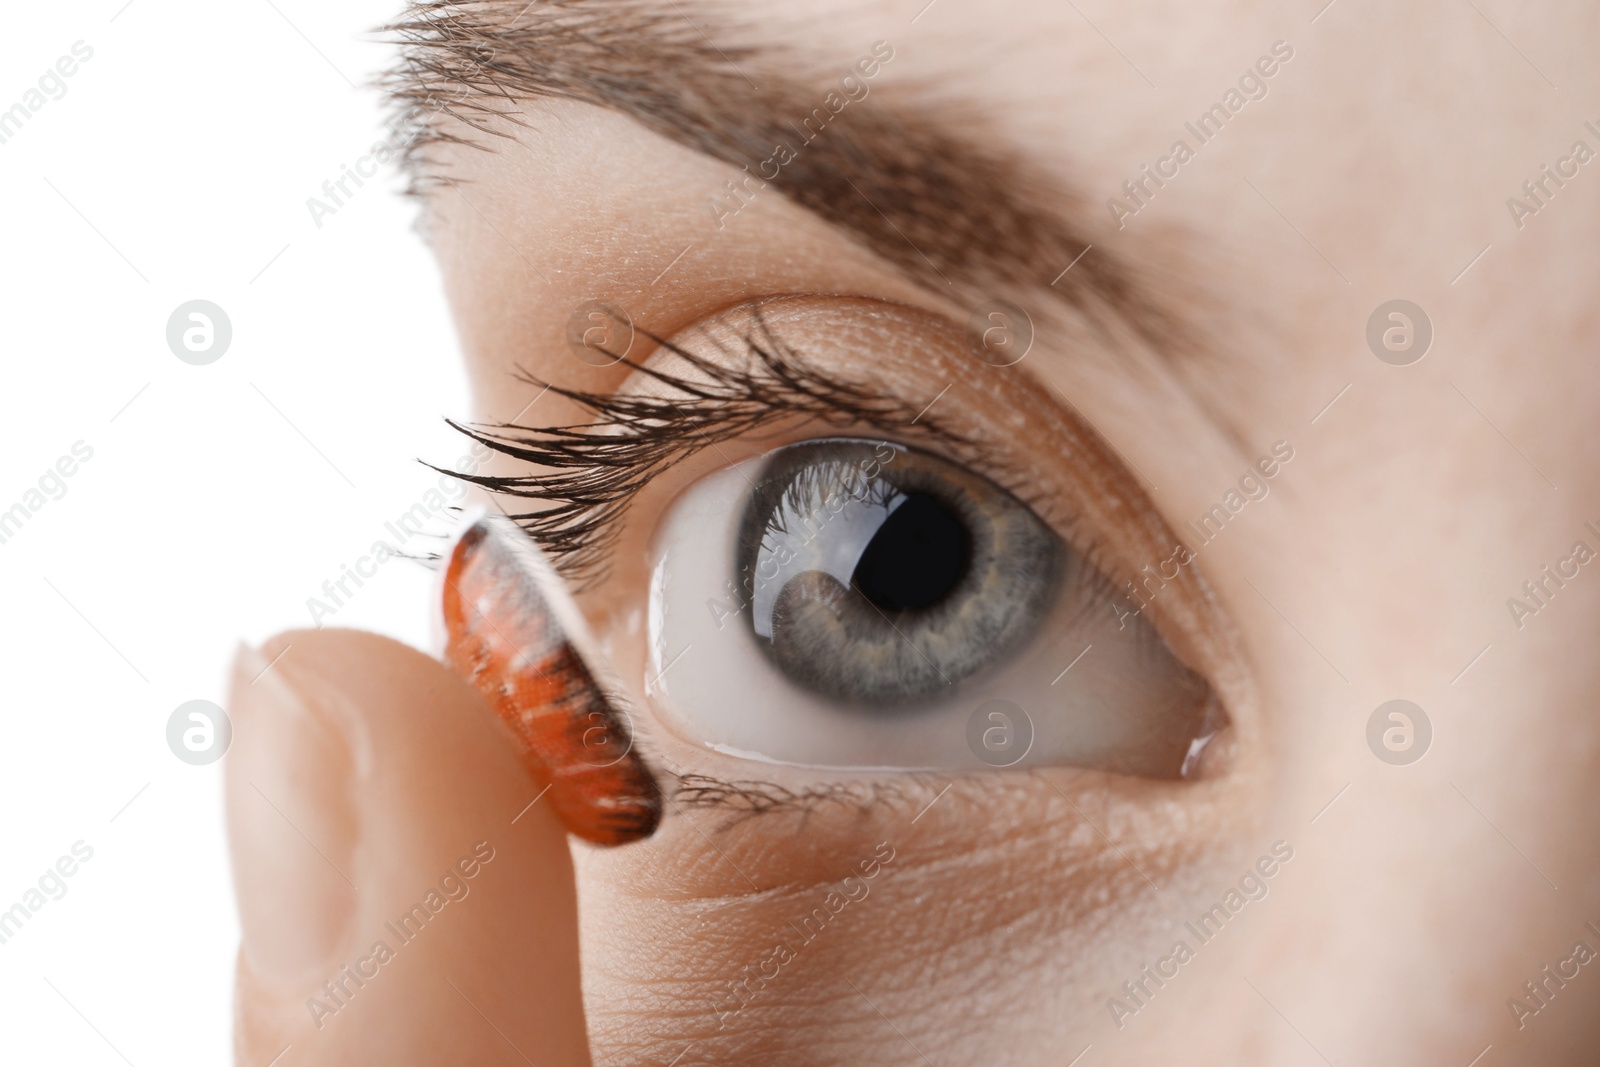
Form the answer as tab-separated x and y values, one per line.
868	604
820	575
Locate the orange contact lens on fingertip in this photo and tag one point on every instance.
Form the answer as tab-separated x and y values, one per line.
511	630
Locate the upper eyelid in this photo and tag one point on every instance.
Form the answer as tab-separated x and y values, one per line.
584	520
587	474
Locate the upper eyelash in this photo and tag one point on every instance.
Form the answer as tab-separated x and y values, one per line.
588	473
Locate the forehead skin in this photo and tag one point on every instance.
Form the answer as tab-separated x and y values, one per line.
1377	167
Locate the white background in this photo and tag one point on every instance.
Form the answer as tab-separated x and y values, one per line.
177	166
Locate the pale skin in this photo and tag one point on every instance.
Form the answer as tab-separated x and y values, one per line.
1016	906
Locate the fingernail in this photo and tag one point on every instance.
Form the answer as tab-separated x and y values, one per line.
291	819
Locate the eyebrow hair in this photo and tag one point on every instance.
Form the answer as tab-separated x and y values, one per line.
946	211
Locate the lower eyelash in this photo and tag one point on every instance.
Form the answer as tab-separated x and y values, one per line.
743	799
591	471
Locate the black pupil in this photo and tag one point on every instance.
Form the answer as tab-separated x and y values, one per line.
917	556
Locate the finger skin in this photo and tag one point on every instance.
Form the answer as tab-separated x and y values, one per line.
489	978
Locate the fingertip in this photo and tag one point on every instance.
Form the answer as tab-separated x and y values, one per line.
463	902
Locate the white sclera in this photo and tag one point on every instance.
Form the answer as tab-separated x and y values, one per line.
1118	707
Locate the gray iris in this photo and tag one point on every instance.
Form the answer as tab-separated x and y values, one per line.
881	575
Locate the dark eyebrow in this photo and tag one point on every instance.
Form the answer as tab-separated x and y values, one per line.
947	211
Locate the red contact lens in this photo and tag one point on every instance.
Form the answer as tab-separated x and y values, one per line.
509	626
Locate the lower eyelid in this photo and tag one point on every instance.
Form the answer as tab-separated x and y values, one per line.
1115	836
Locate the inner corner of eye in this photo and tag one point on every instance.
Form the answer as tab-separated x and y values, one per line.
848	602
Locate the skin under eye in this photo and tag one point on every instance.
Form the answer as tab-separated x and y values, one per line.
858	603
